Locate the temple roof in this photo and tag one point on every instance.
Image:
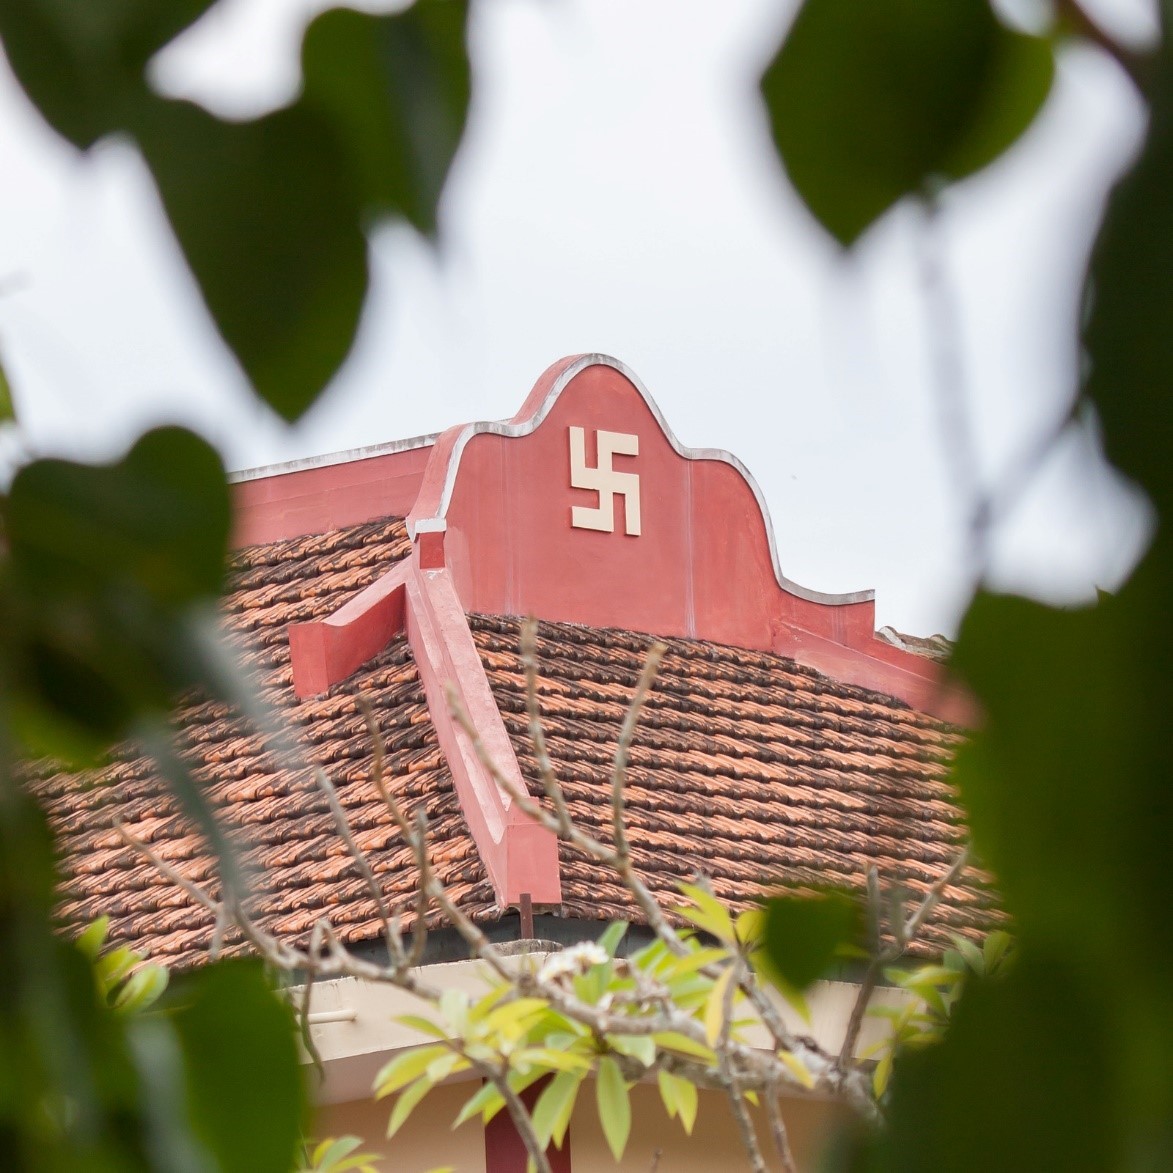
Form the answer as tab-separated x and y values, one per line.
747	767
784	743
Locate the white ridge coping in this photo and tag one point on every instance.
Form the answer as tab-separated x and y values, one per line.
346	456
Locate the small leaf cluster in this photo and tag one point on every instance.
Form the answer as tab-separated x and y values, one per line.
920	1021
527	1040
126	981
586	1012
337	1155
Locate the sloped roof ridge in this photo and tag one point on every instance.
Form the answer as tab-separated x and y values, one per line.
723	730
262	555
714	656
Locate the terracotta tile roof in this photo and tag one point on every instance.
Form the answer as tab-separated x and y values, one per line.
746	767
301	866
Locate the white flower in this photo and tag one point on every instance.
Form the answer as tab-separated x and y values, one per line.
577	959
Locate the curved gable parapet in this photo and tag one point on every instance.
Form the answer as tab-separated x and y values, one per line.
585	507
436	494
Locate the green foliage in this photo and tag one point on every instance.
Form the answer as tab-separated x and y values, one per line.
99	1071
336	1155
108	577
244	1084
126	981
397	87
7	406
804	935
526	1039
680	1098
614	1106
83	64
871	102
921	1020
270	213
269	219
1067	785
106	566
1028	1053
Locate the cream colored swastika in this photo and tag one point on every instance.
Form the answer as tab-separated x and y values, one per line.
605	481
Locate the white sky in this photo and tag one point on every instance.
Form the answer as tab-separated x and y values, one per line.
617	192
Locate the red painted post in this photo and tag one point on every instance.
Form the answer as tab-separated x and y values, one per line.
504	1148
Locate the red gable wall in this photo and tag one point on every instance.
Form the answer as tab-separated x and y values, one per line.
700	565
500	499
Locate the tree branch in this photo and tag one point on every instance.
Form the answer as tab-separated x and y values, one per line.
904	937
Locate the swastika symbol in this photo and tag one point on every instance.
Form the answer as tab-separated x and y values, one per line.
605	481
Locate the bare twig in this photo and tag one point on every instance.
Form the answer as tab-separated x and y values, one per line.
570	832
529	662
518	1114
643	1009
647	677
882	957
389	921
317	936
198	894
933	897
749	1136
419	930
779	1133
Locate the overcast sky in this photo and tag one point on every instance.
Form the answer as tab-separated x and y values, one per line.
617	192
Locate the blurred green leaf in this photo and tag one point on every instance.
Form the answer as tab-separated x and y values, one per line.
639	1047
406	1103
552	1112
7	406
337	1155
1026	1062
396	88
1021	73
82	63
72	1094
94	937
1067	788
143	988
614	1106
1130	297
680	1098
1065	783
268	217
803	934
715	1016
404	1068
107	565
707	913
486	1102
611	937
155	523
245	1089
867	102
